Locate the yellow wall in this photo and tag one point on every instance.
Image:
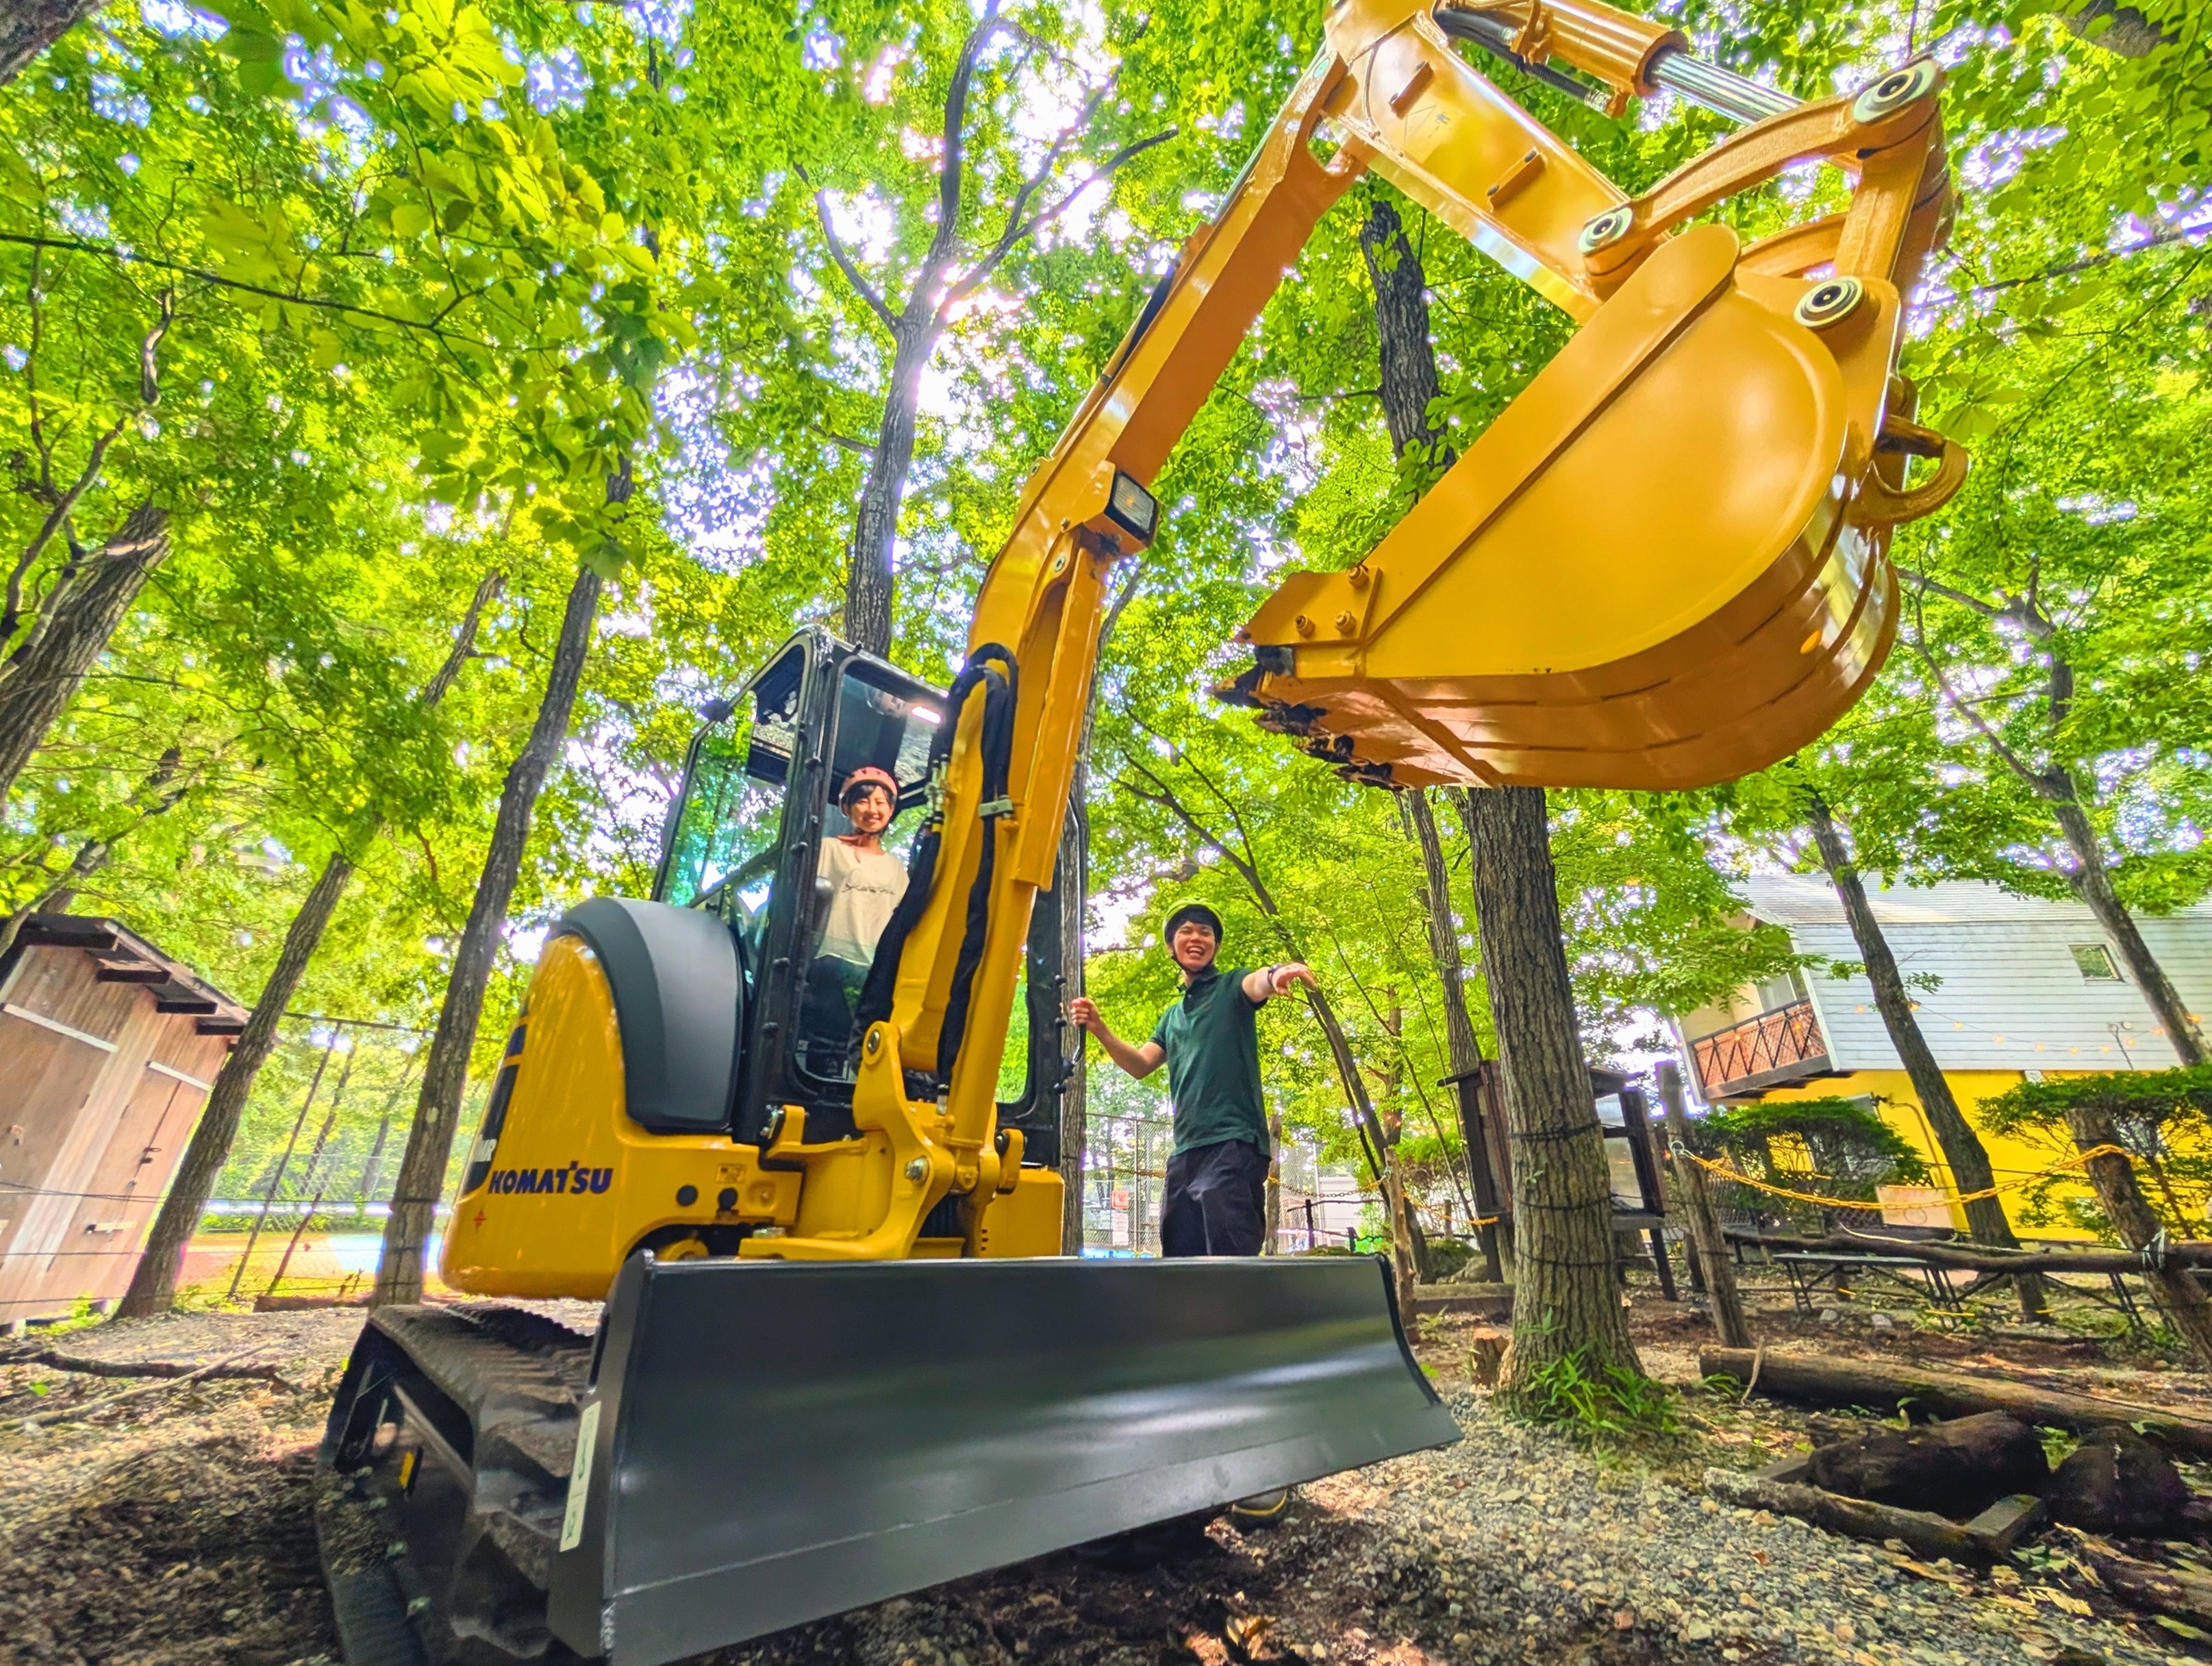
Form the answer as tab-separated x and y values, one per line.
2011	1159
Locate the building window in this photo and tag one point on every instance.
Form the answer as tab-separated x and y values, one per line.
1777	993
2096	963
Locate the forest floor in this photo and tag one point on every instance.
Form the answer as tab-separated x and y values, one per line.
174	1527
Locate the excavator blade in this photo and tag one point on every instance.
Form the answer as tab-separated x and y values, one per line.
746	1446
776	1442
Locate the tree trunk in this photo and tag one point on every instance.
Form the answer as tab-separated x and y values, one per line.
71	632
1401	324
1962	1148
869	582
27	27
2092	881
445	1073
154	1283
1466	1047
1271	1243
1706	1242
1566	1299
2175	1287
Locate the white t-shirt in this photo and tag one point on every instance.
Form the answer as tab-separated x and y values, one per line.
868	884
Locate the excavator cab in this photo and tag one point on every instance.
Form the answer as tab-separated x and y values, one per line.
745	842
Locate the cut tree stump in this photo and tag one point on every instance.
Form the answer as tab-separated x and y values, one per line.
1825	1382
1987	1538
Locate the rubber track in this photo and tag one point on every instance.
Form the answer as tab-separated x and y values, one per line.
518	1376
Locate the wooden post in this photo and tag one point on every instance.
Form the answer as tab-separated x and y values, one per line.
1464	1084
1705	1239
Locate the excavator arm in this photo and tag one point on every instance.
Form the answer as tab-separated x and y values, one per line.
1662	566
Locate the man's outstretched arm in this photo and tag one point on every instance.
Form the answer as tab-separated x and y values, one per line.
1278	981
1139	1061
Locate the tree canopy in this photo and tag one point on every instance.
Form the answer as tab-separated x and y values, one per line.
375	301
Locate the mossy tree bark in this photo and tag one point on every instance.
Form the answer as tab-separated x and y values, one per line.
1962	1148
27	27
1566	1298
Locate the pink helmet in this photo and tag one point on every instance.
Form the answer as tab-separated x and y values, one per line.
868	775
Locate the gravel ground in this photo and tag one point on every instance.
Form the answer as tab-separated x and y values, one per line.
175	1528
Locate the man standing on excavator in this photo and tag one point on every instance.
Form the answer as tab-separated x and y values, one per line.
1215	1202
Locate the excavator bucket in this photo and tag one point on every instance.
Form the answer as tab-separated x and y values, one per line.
1664	565
748	1445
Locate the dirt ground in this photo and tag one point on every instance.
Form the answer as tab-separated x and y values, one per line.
173	1527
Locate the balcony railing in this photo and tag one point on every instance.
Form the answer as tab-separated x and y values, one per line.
1782	1046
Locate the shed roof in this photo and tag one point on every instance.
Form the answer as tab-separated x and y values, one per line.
125	956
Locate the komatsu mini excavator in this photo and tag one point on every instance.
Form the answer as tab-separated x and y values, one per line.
839	1355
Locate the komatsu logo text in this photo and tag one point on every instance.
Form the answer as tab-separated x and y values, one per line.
573	1178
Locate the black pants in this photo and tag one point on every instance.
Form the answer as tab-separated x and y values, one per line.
1215	1201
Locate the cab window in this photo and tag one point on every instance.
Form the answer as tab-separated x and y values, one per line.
722	846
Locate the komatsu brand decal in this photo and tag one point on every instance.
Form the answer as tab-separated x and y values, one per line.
574	1179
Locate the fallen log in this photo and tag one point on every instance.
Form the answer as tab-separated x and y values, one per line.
87	1409
84	1365
1828	1382
2145	1585
1986	1538
2194	1253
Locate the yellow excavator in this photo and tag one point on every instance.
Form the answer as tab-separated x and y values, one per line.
839	1355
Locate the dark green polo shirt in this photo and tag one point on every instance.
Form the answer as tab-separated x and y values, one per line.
1212	1046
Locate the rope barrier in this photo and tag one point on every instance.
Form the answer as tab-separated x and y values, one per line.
1727	1172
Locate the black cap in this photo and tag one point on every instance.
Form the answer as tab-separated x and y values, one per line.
1198	911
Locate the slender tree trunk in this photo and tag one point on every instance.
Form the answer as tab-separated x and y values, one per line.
27	27
1696	1201
154	1284
869	581
72	631
422	1179
1962	1148
2092	881
1465	1046
1273	1213
2178	1294
1566	1299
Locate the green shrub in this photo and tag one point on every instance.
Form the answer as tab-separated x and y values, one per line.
1608	1405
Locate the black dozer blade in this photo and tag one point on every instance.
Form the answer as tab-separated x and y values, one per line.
761	1444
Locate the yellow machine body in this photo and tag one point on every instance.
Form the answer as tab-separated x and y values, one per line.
574	1186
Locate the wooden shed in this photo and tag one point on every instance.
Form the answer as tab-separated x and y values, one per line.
107	1051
